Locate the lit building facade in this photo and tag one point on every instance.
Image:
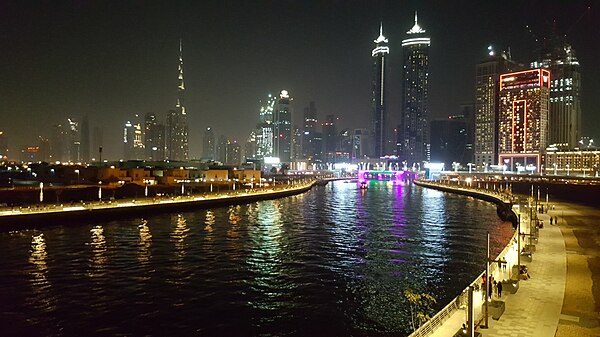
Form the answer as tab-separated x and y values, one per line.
154	138
329	139
208	144
523	119
264	129
84	140
564	124
487	106
576	162
413	132
361	144
378	100
282	128
310	148
133	140
3	146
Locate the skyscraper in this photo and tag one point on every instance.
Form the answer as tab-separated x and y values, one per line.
282	128
133	139
74	140
177	128
264	129
84	140
208	144
487	89
378	100
565	89
329	139
310	146
523	119
413	130
154	138
3	146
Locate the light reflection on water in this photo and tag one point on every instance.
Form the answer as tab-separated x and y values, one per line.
333	261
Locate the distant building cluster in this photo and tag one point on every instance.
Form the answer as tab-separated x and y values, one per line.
523	118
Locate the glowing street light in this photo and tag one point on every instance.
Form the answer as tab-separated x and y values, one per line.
77	171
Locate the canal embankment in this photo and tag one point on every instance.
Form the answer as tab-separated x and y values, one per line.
16	218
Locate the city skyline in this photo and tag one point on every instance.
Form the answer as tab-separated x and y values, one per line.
110	68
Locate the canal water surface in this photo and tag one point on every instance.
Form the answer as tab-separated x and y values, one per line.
333	261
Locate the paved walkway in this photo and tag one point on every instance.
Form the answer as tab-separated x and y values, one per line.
536	307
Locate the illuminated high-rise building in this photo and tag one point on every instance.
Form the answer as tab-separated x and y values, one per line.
133	139
250	147
264	129
74	139
208	144
282	128
84	140
378	99
154	138
564	125
177	147
311	150
523	119
329	139
413	132
361	144
487	105
3	146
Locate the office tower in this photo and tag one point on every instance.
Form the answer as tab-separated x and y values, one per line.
3	146
361	144
378	99
310	145
85	140
97	142
345	141
264	129
133	139
449	141
413	129
208	144
250	147
74	141
59	144
564	124
43	149
234	153
466	114
176	127
487	105
329	139
282	128
154	138
297	136
222	149
523	119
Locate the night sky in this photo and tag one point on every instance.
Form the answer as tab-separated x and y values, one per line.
112	59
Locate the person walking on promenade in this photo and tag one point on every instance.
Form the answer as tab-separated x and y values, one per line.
499	289
550	220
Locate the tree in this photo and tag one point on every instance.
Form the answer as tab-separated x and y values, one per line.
420	307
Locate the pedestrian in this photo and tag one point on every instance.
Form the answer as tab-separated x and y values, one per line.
499	289
490	288
551	220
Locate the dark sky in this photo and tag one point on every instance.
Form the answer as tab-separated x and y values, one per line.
112	59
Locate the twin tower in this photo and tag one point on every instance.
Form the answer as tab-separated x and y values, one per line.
409	141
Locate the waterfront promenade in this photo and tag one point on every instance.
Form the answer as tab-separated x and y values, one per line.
561	299
39	215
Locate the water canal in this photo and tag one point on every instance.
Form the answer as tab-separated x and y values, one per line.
333	261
